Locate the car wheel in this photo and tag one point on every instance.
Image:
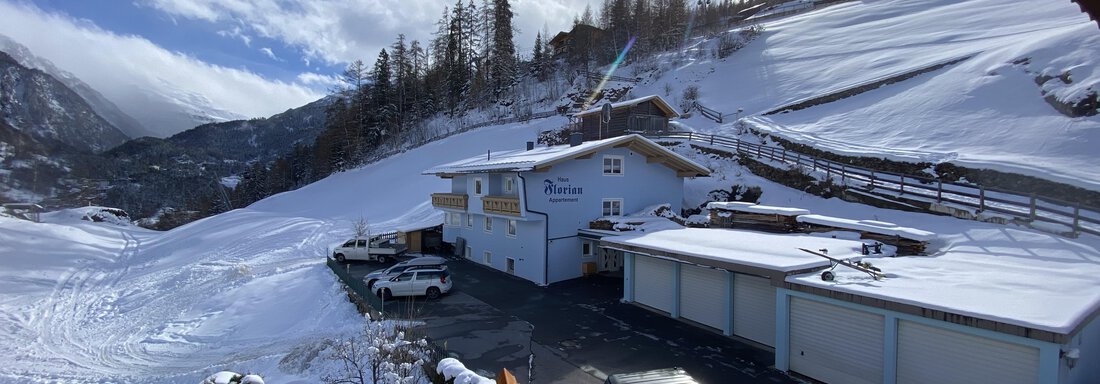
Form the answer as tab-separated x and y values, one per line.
385	294
433	293
340	257
370	284
383	259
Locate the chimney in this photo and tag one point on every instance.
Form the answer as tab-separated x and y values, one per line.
530	145
575	139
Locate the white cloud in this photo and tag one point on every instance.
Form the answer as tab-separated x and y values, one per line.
267	52
341	31
142	78
319	80
236	33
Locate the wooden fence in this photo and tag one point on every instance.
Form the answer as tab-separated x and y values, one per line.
596	76
707	112
905	189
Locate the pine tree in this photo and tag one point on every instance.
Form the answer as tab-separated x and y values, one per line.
537	59
382	101
503	66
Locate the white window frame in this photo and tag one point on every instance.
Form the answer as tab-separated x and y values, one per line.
511	231
586	248
469	221
613	158
488	224
509	185
603	205
488	258
479	186
469	252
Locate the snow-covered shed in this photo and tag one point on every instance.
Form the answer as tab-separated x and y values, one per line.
1003	305
644	114
721	278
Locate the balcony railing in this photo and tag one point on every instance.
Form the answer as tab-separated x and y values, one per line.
450	200
501	205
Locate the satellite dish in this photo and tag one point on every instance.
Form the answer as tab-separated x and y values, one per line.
605	113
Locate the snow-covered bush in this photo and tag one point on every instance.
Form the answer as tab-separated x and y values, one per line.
452	369
229	377
380	354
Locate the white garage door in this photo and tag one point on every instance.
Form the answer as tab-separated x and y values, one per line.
703	293
754	309
653	280
834	344
936	355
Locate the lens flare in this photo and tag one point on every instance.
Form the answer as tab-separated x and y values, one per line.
610	71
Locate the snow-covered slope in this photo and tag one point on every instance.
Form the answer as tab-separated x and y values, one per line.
98	302
986	111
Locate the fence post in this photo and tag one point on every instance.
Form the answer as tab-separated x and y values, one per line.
711	139
1077	218
815	163
737	146
828	171
902	184
843	175
690	134
1031	213
872	181
939	191
784	154
981	199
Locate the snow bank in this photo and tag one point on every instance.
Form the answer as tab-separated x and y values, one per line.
873	226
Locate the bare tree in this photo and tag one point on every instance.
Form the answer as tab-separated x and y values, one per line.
361	228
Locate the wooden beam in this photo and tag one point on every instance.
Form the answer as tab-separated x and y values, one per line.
655	159
542	169
686	174
584	157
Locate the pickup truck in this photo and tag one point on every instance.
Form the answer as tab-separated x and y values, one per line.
378	248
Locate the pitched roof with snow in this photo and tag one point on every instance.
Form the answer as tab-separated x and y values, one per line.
545	157
657	100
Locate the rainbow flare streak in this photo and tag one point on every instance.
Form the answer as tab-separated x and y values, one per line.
614	66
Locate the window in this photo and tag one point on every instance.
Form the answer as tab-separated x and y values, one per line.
478	190
488	257
469	252
488	224
470	221
427	275
509	184
511	228
361	244
613	207
405	276
586	248
612	165
454	219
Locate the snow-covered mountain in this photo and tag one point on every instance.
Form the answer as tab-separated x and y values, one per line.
103	107
36	103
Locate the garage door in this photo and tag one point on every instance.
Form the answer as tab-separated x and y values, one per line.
835	344
936	355
653	280
754	309
703	293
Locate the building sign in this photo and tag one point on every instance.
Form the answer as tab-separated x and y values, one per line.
561	191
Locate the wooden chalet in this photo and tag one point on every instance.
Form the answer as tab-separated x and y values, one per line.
642	115
582	38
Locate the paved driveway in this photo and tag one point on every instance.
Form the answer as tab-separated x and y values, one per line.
581	332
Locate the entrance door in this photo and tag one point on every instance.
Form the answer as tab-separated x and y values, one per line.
511	266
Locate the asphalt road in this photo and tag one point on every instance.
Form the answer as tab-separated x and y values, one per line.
578	331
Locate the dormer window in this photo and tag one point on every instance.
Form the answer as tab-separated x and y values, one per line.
612	165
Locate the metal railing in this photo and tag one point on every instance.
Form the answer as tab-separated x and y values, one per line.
356	286
893	186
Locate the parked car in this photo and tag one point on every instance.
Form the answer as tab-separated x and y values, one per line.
379	248
417	263
657	376
430	282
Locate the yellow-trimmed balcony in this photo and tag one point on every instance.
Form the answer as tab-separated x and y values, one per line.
501	205
450	200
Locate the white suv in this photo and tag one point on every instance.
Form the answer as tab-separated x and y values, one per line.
429	282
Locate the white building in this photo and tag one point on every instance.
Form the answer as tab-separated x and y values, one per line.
520	211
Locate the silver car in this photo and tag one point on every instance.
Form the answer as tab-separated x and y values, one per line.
431	282
417	263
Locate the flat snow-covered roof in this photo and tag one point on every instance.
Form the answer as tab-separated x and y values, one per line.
1030	280
873	226
741	206
778	252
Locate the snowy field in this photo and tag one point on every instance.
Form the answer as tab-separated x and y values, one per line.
984	112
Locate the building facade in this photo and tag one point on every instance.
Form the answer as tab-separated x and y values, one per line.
520	211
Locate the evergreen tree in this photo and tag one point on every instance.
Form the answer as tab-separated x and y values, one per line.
385	113
537	58
503	65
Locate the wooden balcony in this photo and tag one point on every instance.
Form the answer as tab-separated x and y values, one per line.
500	205
450	200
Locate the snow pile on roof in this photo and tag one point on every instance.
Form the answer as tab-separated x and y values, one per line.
740	206
451	368
758	249
625	103
648	219
997	273
873	226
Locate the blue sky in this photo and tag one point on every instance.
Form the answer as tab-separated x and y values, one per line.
249	58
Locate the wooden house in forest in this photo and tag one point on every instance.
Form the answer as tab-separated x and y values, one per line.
578	42
648	114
